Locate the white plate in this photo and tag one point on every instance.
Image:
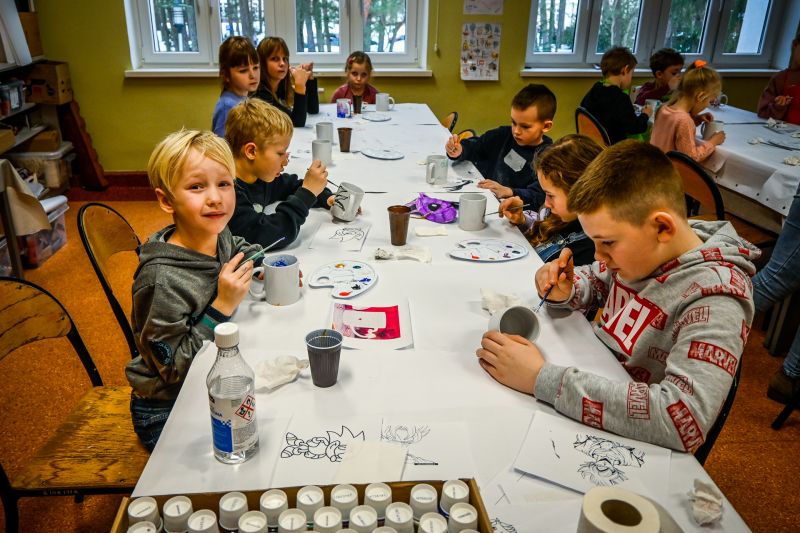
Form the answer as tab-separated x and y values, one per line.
488	251
376	117
348	278
382	154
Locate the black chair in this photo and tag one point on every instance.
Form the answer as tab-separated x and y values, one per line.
587	124
701	454
793	404
105	233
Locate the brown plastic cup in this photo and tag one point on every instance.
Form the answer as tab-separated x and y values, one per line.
357	104
398	223
344	138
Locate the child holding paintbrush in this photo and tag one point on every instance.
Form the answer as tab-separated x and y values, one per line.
558	168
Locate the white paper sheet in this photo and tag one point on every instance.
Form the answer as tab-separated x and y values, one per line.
436	450
313	448
370	462
580	457
340	237
536	517
372	326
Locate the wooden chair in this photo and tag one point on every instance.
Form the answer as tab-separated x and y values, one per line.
95	450
105	233
450	120
701	454
701	188
586	124
466	134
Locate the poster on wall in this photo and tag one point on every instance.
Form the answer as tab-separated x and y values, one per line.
483	7
480	51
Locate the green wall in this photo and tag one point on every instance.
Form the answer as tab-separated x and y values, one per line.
127	116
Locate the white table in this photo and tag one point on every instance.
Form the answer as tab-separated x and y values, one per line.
439	375
754	172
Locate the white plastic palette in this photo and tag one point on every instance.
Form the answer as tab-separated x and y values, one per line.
381	153
376	117
488	250
348	278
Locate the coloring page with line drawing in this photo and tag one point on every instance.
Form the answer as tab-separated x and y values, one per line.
341	237
312	448
580	457
436	450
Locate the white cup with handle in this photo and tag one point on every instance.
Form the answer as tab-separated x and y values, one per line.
436	169
347	201
384	102
708	129
281	283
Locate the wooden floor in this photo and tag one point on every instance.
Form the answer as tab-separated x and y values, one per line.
757	468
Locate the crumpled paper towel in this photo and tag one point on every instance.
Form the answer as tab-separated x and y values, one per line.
280	370
755	140
493	301
706	503
425	231
792	160
415	253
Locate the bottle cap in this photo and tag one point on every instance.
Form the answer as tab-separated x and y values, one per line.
226	335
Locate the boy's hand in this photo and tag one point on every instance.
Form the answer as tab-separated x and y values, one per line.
557	274
309	67
511	209
453	147
648	110
499	191
718	138
232	284
332	200
512	360
783	100
316	178
300	76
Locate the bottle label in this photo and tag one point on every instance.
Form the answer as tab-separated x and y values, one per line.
233	423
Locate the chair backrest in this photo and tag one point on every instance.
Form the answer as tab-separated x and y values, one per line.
104	233
586	124
701	454
466	134
697	184
29	314
450	120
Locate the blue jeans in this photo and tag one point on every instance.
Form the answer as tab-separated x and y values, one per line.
149	417
781	277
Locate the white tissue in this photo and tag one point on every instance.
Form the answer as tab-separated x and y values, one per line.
755	140
706	503
493	301
427	231
415	253
280	370
792	160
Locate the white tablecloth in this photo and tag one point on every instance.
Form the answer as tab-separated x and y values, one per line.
439	376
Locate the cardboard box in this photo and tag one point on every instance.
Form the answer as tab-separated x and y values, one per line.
30	26
48	140
50	83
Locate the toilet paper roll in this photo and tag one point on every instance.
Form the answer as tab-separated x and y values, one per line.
607	509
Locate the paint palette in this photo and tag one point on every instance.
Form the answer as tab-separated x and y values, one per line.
348	278
376	117
488	250
379	153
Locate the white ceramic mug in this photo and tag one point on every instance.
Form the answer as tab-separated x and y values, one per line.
471	210
720	100
281	284
384	102
322	150
347	201
436	169
325	131
516	320
707	129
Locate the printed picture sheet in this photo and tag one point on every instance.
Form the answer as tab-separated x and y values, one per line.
379	326
340	237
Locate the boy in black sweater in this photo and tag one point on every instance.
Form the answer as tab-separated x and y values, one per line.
506	156
608	101
259	135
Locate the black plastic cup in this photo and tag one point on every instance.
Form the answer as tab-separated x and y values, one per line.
324	348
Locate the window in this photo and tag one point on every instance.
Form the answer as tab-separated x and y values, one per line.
187	33
731	33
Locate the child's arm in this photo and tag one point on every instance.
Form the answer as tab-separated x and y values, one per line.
626	114
686	142
579	288
768	105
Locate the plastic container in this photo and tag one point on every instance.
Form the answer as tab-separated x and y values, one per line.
53	168
5	259
17	90
37	248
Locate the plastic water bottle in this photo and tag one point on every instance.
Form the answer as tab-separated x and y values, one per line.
232	399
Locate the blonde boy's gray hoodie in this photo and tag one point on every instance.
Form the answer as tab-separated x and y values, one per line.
173	288
679	333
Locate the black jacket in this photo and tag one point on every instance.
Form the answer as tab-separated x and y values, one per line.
303	103
614	110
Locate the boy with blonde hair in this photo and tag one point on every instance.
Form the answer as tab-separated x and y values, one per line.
677	306
259	135
608	100
189	277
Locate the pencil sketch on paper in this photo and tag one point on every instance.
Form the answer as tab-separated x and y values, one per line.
406	436
607	458
330	446
502	527
348	234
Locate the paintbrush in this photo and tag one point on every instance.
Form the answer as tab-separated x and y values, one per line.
510	209
260	253
547	293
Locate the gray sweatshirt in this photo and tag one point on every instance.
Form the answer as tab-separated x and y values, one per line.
679	333
173	288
